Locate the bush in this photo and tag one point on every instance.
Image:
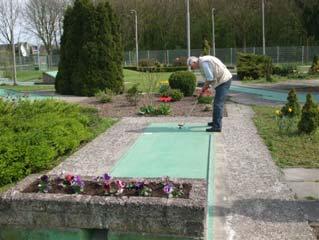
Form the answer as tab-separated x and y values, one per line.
175	94
205	99
104	96
315	65
34	135
180	61
285	69
148	63
133	95
184	81
310	116
292	107
164	90
206	47
254	66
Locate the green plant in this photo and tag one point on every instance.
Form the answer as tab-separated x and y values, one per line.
162	109
254	66
315	65
206	47
104	96
205	99
164	90
148	63
175	94
184	81
284	69
91	54
292	107
133	94
310	116
180	62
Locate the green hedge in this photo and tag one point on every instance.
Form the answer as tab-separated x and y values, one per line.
156	69
253	66
184	81
35	134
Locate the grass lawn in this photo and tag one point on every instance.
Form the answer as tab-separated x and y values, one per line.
132	77
288	150
24	76
276	79
30	88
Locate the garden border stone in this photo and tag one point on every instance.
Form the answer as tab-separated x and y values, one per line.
176	217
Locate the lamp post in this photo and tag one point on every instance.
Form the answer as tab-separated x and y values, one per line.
263	19
213	31
188	32
136	35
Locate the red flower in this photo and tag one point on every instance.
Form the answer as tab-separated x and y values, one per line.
165	99
69	178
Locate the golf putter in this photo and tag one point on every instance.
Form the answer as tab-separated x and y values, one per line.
181	125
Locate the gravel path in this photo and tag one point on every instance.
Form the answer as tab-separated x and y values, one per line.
256	204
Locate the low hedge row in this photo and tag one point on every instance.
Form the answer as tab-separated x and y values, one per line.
156	69
34	135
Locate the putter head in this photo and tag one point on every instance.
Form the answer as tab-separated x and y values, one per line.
180	125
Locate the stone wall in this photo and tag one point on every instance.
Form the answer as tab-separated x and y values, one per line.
180	217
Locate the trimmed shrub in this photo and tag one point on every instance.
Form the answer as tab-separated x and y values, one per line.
133	94
285	69
254	66
148	63
164	90
175	94
206	47
104	96
184	81
292	107
310	116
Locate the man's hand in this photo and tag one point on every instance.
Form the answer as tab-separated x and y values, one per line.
204	88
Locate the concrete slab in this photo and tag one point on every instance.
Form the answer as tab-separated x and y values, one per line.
304	190
301	175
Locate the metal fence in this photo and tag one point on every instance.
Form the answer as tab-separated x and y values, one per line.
280	55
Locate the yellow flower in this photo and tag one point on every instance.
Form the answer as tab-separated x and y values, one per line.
164	82
278	112
290	110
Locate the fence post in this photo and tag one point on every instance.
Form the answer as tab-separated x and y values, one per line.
148	54
129	58
167	54
231	56
302	53
254	50
278	52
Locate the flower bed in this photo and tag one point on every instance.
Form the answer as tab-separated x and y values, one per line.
105	186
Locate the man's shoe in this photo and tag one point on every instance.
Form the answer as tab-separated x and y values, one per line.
210	124
213	130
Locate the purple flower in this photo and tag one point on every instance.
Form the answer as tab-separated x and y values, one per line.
78	181
139	185
106	177
168	188
44	178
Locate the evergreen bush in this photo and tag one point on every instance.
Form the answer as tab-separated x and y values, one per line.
292	107
184	81
315	65
91	50
133	94
310	116
175	94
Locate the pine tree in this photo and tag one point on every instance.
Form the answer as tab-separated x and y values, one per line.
91	51
206	48
292	107
310	116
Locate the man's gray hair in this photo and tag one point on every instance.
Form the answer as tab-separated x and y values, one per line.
191	60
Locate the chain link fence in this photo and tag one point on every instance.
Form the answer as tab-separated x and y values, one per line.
299	55
280	55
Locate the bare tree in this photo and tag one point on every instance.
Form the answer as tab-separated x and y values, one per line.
44	19
9	14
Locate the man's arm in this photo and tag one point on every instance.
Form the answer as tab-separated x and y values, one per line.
208	75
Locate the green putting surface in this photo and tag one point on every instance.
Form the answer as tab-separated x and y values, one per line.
165	150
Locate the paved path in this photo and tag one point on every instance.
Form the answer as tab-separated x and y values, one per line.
252	201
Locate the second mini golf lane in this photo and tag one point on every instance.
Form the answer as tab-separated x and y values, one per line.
165	150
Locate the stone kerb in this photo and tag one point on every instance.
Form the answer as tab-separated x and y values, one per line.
180	217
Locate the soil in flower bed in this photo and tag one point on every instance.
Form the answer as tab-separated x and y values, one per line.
93	188
120	107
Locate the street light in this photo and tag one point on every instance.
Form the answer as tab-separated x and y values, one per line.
136	36
188	32
213	31
263	17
